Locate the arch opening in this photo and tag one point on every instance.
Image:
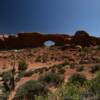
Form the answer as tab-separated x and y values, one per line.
49	43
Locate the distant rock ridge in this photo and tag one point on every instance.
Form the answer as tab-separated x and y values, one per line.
36	39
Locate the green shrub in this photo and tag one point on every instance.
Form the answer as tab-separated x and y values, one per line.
3	97
97	60
7	75
62	65
61	71
95	68
31	89
22	66
38	59
98	48
83	62
53	70
72	65
42	58
77	79
59	66
52	79
95	86
50	96
21	74
69	92
81	68
65	63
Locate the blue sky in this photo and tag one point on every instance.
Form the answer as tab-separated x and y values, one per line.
50	16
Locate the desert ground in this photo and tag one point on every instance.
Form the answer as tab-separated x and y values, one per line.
43	60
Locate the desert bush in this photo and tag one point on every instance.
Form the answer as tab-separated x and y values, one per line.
61	71
22	66
53	70
42	58
9	82
94	87
50	96
31	89
62	65
4	93
51	79
77	79
59	66
83	62
69	92
79	49
21	74
65	63
7	75
2	97
90	90
95	68
72	65
81	68
97	60
98	48
38	59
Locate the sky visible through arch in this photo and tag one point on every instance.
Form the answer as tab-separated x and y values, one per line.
50	16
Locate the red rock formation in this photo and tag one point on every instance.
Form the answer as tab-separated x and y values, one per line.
23	40
37	39
81	38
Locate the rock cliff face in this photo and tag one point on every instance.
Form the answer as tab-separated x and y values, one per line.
84	39
35	39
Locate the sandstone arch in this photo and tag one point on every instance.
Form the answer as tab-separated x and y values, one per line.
36	39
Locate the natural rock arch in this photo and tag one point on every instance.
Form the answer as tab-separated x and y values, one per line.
35	39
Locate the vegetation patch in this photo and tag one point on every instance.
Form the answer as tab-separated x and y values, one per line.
31	89
52	79
22	65
77	79
95	68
